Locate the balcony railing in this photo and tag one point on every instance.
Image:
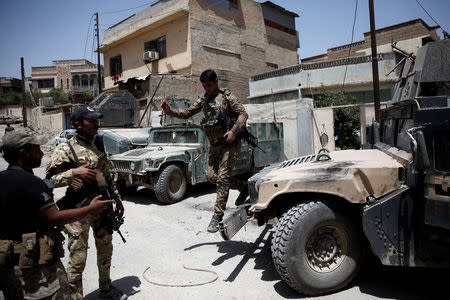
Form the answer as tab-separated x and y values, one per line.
83	88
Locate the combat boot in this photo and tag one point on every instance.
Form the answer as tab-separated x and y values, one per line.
214	223
242	195
111	292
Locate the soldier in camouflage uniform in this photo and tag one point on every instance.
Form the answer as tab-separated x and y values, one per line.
94	166
30	246
224	145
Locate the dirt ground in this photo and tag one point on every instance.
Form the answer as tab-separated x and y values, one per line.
163	238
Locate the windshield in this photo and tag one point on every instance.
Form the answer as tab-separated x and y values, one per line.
174	137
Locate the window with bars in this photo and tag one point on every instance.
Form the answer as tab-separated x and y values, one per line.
46	83
157	45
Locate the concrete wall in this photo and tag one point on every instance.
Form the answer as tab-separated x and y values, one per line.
366	117
52	122
11	110
323	126
358	77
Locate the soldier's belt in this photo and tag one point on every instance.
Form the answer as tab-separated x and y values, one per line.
32	250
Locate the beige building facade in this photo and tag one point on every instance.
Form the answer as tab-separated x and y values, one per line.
236	38
74	75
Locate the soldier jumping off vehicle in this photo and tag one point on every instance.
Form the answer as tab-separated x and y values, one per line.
95	166
224	145
30	245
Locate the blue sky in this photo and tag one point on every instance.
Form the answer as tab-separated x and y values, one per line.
46	30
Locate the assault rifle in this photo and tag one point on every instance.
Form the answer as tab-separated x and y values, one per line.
111	217
227	123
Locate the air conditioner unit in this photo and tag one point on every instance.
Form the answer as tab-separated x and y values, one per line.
151	55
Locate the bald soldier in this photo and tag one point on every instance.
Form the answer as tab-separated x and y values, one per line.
224	145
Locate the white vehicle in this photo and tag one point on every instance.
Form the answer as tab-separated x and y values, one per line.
64	136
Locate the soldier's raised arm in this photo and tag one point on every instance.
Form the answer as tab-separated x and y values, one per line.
195	108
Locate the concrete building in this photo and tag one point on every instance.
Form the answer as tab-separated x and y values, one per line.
75	75
182	38
10	84
347	67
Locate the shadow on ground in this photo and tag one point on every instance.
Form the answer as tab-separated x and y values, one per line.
144	197
129	285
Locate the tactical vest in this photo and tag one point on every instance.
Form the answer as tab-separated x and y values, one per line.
35	249
214	131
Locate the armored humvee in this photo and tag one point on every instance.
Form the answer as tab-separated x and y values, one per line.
393	197
177	155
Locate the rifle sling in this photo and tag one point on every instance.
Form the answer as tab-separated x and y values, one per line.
75	157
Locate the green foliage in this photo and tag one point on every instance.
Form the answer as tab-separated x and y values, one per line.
89	95
58	95
10	98
346	119
37	94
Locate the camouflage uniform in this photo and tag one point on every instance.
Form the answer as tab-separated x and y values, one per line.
38	282
44	281
60	173
222	155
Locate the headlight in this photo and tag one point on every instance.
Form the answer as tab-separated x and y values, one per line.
132	166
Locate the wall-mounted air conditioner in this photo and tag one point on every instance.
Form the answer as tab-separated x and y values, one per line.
151	55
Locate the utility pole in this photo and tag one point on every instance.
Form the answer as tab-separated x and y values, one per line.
24	108
98	56
376	79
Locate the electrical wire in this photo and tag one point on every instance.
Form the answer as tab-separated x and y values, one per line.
173	10
127	9
92	50
428	14
350	48
87	35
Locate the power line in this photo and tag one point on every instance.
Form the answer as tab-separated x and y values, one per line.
429	14
127	9
87	35
92	50
350	48
173	10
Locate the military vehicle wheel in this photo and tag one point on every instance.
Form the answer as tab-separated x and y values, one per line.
171	185
315	248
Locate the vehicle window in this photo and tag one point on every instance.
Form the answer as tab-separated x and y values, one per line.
182	137
389	132
69	134
441	150
403	141
162	137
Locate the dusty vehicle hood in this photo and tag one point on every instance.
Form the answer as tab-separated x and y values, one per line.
154	152
350	174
